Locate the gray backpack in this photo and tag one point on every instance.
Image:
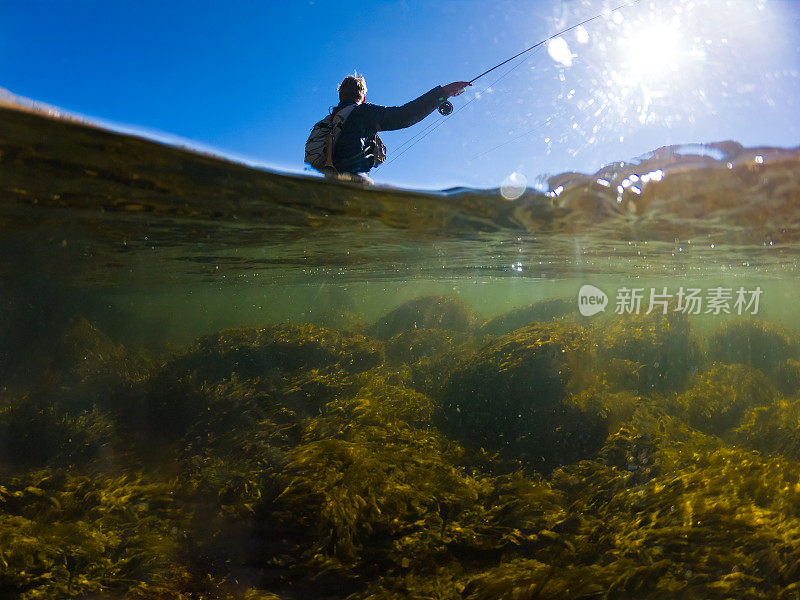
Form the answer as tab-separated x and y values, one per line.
322	140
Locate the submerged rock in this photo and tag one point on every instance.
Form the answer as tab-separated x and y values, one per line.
429	355
631	451
68	416
544	310
616	406
718	398
662	344
395	516
774	428
411	346
760	344
788	377
676	531
38	431
233	378
427	312
510	396
621	374
33	317
85	351
260	352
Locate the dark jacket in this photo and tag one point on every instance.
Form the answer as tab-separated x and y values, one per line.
353	148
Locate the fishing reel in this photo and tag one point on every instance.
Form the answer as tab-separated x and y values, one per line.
445	108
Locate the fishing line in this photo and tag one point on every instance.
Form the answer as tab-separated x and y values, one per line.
446	107
520	136
416	135
435	125
429	129
555	35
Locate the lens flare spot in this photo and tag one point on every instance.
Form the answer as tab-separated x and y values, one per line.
513	186
559	51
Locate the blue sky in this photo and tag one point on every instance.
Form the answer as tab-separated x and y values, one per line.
249	78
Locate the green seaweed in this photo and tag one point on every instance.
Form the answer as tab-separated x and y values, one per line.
408	347
510	396
260	352
718	398
772	428
426	312
64	535
788	377
760	344
296	461
664	346
544	310
35	432
429	356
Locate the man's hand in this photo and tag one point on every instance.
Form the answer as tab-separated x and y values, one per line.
455	88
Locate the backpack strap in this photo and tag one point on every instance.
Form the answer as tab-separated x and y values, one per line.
329	150
342	113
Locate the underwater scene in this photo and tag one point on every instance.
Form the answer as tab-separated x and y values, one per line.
223	382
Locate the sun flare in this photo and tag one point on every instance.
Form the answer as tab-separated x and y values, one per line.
653	52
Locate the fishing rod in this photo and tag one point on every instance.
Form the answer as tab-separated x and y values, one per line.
446	107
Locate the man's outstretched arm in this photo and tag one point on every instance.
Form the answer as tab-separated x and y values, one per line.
389	118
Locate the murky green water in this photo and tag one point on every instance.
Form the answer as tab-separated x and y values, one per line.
225	383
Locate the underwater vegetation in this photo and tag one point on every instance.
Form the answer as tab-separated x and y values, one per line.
788	377
544	310
717	398
426	312
762	345
427	455
663	346
510	396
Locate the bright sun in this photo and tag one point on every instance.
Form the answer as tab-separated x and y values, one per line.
652	53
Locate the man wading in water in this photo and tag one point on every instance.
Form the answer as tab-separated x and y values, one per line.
351	141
